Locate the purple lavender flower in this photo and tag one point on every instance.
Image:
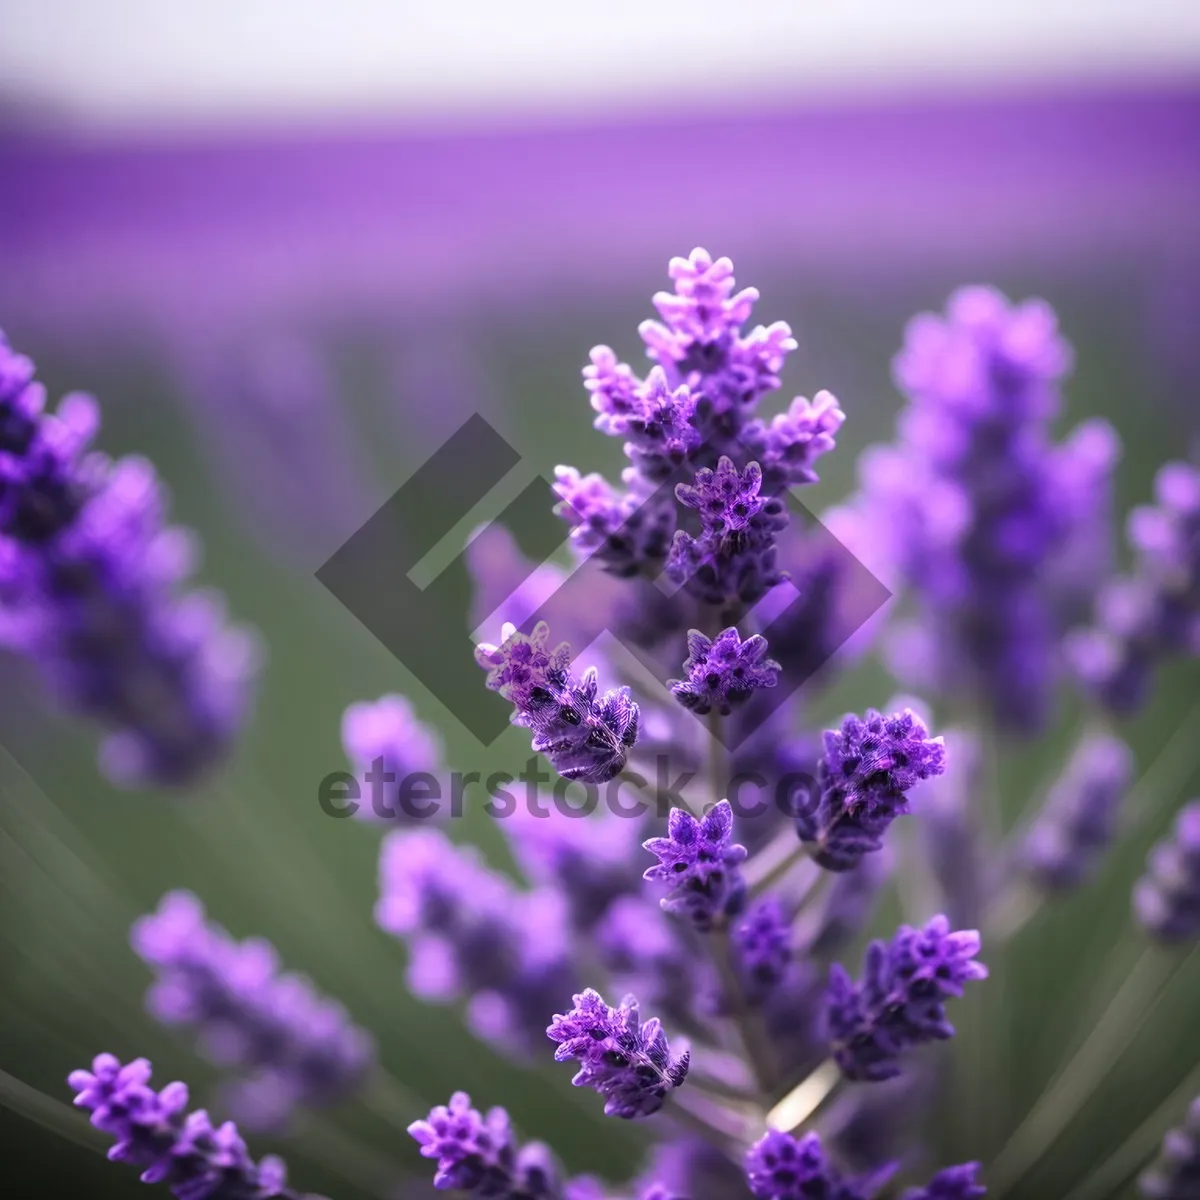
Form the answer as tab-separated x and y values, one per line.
699	342
791	443
1144	619
472	934
698	863
661	429
763	950
951	1183
89	589
1167	898
626	1060
868	767
628	533
387	744
1175	1173
175	1147
289	1045
585	736
900	1001
1079	817
976	507
782	1167
723	671
478	1155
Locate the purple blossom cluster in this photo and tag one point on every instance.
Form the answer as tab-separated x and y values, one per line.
719	922
978	513
1147	618
585	735
865	774
91	589
287	1045
900	1000
154	1131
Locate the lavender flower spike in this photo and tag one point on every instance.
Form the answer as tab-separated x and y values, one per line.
1175	1173
782	1167
290	1045
1167	898
626	1060
585	736
90	581
477	1155
175	1147
1079	818
900	1001
387	744
952	1183
865	774
700	865
723	671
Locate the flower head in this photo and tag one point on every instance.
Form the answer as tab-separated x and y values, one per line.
900	1000
626	1060
1079	817
91	589
782	1167
951	1183
184	1150
288	1044
865	774
1167	898
700	865
723	671
585	735
762	940
474	1153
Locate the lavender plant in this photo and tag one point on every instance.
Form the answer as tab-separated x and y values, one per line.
763	1067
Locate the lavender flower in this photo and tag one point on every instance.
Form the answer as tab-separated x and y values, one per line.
290	1045
763	951
952	1183
1166	899
698	863
976	507
900	1001
792	442
626	1060
868	767
699	342
584	736
471	933
782	1167
628	533
89	588
1079	817
723	671
1144	619
387	744
478	1155
1175	1173
184	1150
733	561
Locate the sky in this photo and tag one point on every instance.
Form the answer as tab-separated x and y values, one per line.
144	63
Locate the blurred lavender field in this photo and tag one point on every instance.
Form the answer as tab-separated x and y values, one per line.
289	325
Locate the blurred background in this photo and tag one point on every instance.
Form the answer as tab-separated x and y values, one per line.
291	246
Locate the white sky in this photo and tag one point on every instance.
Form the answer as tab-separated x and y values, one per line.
145	62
